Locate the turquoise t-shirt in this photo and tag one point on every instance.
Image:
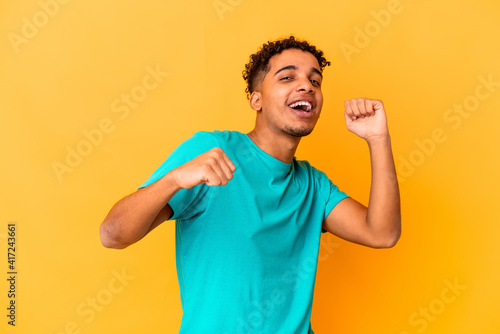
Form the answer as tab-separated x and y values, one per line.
246	252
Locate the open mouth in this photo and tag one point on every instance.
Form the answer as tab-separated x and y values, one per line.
303	106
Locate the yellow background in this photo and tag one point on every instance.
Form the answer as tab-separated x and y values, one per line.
63	79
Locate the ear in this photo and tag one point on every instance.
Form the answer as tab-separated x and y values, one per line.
255	101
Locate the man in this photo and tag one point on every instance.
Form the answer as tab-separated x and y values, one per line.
249	216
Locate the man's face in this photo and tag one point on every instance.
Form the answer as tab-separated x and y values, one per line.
290	94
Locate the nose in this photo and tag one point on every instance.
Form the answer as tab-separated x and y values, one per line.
304	84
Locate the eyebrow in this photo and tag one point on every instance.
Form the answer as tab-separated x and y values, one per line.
293	67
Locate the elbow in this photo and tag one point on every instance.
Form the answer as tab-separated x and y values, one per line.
109	237
388	239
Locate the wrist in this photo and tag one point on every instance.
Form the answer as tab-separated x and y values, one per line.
171	181
378	140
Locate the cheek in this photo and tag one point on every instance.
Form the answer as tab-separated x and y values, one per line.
319	99
279	97
274	96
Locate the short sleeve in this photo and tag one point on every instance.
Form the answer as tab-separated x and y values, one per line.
334	197
186	203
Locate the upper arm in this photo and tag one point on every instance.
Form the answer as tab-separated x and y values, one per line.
347	220
164	215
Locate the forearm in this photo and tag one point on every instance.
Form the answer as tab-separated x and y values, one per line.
135	215
384	213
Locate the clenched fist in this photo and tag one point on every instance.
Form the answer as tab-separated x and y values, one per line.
366	118
212	167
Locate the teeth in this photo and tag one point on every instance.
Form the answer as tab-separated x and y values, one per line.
301	103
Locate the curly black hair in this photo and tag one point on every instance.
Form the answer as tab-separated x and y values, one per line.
258	66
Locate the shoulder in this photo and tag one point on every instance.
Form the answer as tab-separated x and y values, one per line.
225	139
217	135
203	141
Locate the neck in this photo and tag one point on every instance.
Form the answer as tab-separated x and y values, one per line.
282	147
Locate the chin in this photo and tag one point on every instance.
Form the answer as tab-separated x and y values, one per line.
298	131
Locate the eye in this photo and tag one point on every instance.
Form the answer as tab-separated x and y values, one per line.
285	78
315	82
